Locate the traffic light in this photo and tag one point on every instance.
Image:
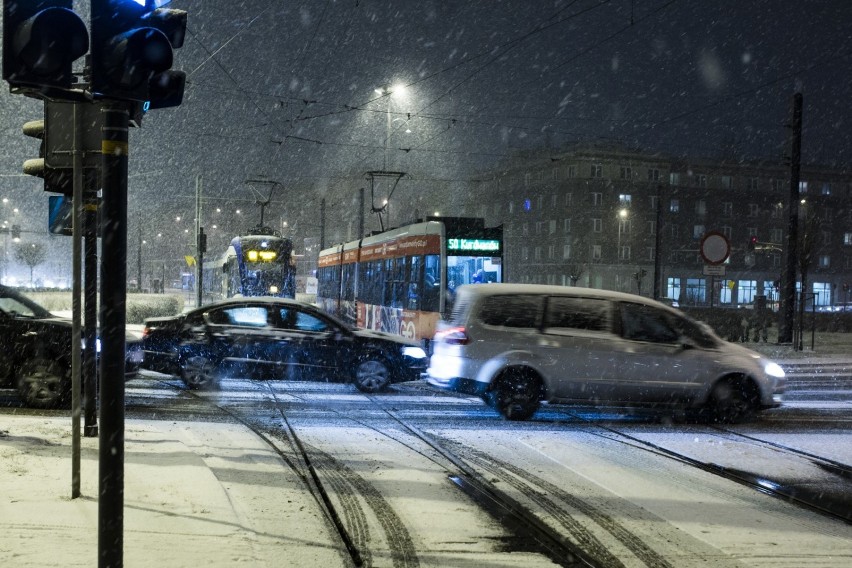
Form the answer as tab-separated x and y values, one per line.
56	180
41	39
132	51
752	243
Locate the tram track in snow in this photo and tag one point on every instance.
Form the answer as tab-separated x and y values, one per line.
833	504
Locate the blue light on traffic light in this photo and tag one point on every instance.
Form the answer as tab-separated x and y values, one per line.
132	51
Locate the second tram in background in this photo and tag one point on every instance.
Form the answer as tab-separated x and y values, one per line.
402	280
260	263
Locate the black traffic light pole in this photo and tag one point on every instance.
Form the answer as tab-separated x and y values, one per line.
90	312
113	311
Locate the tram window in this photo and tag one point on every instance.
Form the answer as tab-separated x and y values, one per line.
431	296
348	282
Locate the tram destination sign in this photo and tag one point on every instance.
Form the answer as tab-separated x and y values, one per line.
473	245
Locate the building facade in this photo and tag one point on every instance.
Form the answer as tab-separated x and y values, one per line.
590	216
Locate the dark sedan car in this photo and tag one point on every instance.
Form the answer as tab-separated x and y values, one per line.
276	338
36	359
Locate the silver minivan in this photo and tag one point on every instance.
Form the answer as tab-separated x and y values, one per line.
516	345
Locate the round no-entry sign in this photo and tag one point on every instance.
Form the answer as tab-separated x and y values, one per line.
715	248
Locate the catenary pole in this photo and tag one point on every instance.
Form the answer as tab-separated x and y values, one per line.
788	279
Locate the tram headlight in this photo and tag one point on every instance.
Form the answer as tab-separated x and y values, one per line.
273	289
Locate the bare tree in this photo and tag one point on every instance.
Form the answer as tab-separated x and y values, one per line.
31	254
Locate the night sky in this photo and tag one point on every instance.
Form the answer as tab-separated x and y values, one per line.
284	91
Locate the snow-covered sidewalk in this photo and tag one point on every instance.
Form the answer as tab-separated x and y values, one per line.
196	494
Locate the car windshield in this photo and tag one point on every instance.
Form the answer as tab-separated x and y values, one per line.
17	305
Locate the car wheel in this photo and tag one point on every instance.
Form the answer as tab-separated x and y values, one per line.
198	372
372	374
44	383
732	402
517	394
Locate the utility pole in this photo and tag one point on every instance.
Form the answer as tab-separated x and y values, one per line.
199	236
322	223
788	281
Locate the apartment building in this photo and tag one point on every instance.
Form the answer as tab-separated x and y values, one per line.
590	216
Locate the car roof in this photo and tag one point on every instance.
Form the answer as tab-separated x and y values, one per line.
495	289
270	300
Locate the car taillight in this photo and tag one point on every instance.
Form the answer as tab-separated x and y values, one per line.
146	331
453	336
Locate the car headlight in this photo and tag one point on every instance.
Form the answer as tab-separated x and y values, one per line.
773	370
414	352
97	344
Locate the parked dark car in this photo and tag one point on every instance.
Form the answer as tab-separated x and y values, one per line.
276	338
36	358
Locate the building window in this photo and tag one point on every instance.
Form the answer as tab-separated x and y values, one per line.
753	209
847	262
652	227
777	184
727	209
752	184
654	200
538	226
525	253
776	260
554	199
596	252
551	251
653	174
674	178
539	202
527	179
555	174
847	239
673	231
624	199
567	200
695	291
752	231
726	230
826	237
697	231
746	289
566	252
624	253
597	225
527	205
651	253
566	226
511	208
727	182
700	180
776	210
803	186
673	288
826	188
824	261
551	226
525	229
700	207
572	171
776	235
674	206
596	171
597	198
537	253
626	172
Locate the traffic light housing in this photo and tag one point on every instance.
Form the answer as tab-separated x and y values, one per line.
41	41
56	180
752	243
132	51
